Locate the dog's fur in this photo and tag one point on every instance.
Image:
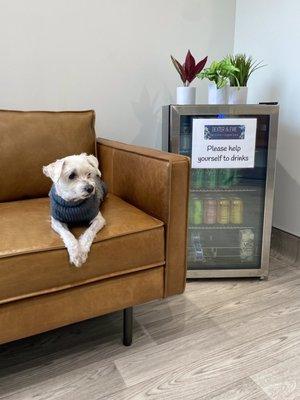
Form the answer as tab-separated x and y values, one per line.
72	177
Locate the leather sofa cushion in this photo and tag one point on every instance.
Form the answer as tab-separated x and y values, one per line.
31	139
33	259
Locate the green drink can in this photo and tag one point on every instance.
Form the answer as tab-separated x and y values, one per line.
200	178
235	177
198	211
211	178
193	178
197	178
225	178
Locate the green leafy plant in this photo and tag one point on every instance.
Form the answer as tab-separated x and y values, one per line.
244	68
219	72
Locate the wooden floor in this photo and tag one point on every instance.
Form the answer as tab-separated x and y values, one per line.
221	340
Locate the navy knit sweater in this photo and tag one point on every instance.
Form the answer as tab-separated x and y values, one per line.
77	212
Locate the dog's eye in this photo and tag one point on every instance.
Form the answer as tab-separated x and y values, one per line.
72	175
89	175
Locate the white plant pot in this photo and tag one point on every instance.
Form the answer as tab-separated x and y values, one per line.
216	96
237	95
186	95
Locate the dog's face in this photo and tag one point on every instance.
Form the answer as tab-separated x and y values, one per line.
74	176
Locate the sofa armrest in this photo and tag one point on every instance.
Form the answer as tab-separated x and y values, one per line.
156	182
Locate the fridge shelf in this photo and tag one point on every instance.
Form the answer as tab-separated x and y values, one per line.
224	190
221	227
225	258
224	264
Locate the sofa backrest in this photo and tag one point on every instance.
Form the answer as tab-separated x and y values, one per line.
31	139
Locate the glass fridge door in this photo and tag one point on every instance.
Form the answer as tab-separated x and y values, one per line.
226	206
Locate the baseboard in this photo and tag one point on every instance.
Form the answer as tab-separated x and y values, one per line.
285	246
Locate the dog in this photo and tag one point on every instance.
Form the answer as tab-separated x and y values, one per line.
75	197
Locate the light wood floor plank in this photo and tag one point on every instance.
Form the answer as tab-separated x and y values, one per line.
245	389
281	381
265	321
235	358
248	303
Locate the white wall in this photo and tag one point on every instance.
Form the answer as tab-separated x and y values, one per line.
270	30
110	55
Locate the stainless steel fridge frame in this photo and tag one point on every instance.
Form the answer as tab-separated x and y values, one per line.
171	143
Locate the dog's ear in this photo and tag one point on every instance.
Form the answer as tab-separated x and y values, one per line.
54	170
93	161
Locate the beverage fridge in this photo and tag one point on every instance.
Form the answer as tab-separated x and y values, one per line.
230	209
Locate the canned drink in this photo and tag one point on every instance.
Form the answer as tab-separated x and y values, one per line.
211	178
198	178
246	245
236	211
223	211
185	124
191	210
210	211
225	178
195	211
185	142
235	177
198	211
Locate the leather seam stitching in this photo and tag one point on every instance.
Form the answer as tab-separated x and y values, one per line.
61	247
84	283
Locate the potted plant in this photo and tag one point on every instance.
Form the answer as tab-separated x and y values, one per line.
245	66
188	71
218	74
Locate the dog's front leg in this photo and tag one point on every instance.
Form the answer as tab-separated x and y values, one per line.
86	239
69	240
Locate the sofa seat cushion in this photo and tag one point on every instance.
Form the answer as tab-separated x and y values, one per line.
33	259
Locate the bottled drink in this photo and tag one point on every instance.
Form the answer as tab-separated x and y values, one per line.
198	251
246	245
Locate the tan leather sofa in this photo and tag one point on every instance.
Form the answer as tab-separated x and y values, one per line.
139	256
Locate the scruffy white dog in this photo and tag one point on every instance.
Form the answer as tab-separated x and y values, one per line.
75	198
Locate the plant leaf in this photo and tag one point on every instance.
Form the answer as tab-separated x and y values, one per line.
199	67
179	69
189	67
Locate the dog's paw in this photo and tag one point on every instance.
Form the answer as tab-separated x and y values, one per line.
85	246
85	243
83	256
76	260
75	255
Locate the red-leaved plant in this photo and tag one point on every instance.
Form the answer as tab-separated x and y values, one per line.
189	69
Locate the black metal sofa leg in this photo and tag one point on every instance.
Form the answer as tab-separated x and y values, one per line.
127	326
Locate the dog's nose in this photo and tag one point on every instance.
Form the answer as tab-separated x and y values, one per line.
89	188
